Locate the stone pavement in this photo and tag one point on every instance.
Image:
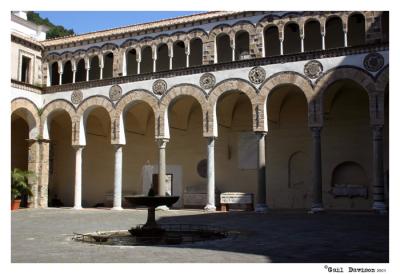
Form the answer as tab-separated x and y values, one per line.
44	235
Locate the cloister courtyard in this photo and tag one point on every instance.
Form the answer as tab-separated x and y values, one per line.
280	236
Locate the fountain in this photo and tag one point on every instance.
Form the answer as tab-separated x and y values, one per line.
151	232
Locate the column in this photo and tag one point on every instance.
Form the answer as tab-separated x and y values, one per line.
261	205
345	38
73	76
281	45
317	205
87	74
302	43
78	177
162	143
233	53
118	178
215	51
154	64
60	78
210	175
377	170
138	66
323	40
188	54
101	72
170	62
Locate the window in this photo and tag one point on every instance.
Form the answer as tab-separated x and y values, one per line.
25	69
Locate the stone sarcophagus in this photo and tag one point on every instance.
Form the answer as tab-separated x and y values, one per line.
236	198
196	196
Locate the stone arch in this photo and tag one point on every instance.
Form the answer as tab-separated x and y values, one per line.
129	98
382	80
344	73
49	109
233	85
197	33
222	28
176	91
283	78
82	112
31	113
349	172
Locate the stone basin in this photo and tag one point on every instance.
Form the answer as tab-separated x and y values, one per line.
151	201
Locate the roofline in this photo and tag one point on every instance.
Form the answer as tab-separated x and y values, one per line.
138	27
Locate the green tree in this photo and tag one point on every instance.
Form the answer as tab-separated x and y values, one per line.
54	31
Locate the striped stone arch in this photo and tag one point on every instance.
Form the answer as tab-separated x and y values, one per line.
354	74
197	33
49	109
79	54
217	30
286	78
130	98
244	25
83	110
129	43
31	113
382	80
233	85
173	93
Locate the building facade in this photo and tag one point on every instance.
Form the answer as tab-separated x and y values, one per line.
289	106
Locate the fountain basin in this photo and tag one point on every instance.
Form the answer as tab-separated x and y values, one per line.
151	201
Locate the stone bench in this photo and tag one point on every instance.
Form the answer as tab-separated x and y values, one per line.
238	198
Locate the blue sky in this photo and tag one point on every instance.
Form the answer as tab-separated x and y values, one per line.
87	21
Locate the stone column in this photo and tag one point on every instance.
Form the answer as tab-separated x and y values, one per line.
233	54
118	178
323	40
38	162
302	43
101	72
87	74
162	143
281	45
210	175
73	76
170	62
345	38
317	204
261	205
138	67
187	54
60	78
78	177
377	170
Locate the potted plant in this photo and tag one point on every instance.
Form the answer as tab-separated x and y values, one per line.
19	186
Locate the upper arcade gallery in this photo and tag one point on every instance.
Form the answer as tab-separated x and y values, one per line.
292	107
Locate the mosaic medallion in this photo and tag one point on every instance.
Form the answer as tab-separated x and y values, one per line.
159	87
115	92
257	75
313	69
76	97
374	62
207	81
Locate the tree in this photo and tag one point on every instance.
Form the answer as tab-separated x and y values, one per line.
54	31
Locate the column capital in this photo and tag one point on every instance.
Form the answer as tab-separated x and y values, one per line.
261	133
162	142
77	147
316	131
117	146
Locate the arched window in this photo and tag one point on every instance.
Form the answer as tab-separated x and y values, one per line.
271	41
334	36
312	36
146	65
54	75
131	63
196	52
108	65
242	45
385	26
67	73
94	72
80	71
179	58
224	51
291	39
162	62
356	30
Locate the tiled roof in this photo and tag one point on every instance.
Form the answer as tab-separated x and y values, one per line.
27	38
138	27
